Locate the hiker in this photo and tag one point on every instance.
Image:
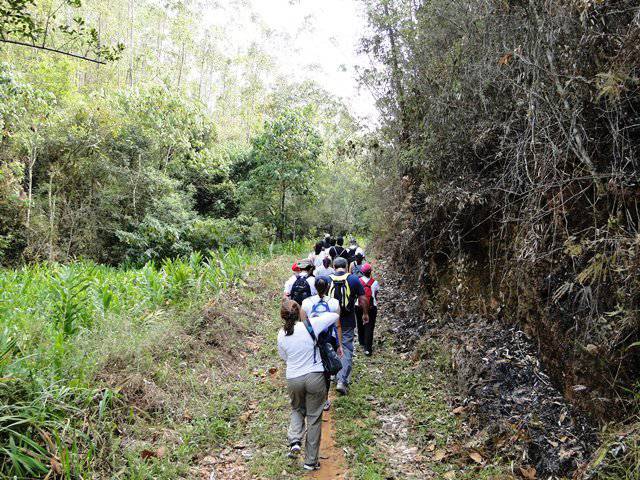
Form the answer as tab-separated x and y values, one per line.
318	304
305	379
325	269
338	250
365	330
327	241
347	289
351	250
301	284
317	255
356	265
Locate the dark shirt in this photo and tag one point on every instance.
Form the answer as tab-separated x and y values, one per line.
348	319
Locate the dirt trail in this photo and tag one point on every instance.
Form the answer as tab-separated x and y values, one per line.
331	456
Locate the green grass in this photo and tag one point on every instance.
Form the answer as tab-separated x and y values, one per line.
96	360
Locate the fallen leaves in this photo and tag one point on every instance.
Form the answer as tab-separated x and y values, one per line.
476	457
159	453
439	455
505	59
529	473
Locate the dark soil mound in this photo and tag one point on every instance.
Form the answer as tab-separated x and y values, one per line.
496	376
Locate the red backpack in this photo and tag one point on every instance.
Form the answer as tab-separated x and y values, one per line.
367	288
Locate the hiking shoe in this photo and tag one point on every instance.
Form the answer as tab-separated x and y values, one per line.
306	466
341	388
327	405
294	450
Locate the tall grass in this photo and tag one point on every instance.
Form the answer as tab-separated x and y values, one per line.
47	311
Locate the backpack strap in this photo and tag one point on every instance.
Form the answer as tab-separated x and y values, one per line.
313	337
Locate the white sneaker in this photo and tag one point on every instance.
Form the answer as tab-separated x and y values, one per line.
311	467
327	405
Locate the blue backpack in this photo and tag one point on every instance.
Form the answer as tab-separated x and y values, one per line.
323	307
318	308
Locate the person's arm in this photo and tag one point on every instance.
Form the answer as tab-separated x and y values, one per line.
363	303
312	285
282	352
303	315
323	321
287	289
340	352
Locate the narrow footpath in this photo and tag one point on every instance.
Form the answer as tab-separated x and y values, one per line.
399	420
331	455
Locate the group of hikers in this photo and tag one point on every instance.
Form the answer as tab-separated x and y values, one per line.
331	296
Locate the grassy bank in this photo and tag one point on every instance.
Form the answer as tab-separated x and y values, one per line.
97	362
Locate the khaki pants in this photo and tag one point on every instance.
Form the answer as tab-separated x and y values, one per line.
308	393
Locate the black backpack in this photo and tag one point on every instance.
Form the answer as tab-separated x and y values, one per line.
339	251
300	289
341	291
330	360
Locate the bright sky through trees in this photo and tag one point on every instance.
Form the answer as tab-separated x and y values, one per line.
307	39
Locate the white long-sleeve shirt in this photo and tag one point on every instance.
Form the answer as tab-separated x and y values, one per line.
297	349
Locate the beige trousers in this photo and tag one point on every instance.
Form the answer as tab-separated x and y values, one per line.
308	393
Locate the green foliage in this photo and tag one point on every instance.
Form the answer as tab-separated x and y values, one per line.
70	301
284	159
22	23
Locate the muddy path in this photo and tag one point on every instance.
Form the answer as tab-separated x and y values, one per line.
333	463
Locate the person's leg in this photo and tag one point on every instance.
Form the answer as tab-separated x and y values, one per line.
296	387
361	330
315	396
369	328
347	359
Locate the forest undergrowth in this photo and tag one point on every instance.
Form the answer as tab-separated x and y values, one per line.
97	362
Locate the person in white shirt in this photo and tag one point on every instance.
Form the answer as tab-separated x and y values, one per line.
325	269
321	303
365	329
305	378
317	255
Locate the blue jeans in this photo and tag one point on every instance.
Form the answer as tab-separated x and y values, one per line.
347	361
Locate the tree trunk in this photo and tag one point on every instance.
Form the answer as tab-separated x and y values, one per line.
396	74
33	155
282	213
52	207
181	64
131	49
